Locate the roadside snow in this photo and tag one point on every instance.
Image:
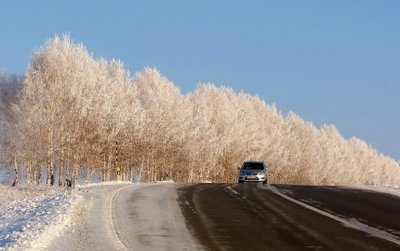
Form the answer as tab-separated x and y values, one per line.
393	190
12	194
32	223
32	217
107	183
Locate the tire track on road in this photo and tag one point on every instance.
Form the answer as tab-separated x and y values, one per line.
245	217
348	223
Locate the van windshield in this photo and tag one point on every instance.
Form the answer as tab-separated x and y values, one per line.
253	166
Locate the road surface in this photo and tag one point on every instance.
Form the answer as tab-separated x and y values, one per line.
258	217
127	217
171	216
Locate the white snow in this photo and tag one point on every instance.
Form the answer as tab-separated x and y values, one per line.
31	217
393	190
107	183
31	223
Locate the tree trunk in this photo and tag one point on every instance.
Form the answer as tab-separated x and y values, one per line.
117	167
104	171
50	175
89	174
16	172
61	179
29	174
75	171
38	174
109	168
68	159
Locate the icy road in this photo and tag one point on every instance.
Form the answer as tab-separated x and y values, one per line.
169	216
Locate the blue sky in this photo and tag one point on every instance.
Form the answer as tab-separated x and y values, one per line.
332	62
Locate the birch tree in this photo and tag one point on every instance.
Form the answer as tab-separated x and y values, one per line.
78	115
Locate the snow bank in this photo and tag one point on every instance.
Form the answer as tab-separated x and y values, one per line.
62	221
107	183
31	223
393	190
31	218
12	194
112	183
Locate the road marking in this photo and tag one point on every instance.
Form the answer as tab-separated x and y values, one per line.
232	191
352	223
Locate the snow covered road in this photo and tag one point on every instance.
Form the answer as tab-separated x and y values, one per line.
91	227
127	217
149	218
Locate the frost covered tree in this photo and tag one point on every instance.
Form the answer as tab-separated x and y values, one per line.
77	115
166	115
10	86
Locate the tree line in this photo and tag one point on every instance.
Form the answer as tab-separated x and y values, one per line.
71	115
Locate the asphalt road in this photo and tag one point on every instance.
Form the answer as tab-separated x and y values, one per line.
259	217
170	216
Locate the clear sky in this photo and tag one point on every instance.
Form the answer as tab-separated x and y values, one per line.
332	62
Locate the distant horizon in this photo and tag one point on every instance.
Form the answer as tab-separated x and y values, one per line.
331	63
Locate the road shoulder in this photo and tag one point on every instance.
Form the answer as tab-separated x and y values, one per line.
127	217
